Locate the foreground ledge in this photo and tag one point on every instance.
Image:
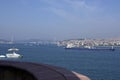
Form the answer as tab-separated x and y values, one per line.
34	71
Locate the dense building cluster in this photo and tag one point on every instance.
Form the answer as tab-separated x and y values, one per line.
89	42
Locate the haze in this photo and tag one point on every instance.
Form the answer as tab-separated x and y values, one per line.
59	19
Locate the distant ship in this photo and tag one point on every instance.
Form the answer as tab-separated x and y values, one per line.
90	48
13	53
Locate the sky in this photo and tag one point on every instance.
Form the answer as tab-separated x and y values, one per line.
59	19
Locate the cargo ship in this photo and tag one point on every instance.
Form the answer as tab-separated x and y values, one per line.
92	48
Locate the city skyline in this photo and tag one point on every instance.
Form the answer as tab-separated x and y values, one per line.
59	19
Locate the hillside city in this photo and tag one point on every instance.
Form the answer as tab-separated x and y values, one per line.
72	42
89	42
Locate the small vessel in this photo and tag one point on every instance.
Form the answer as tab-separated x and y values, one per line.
13	53
2	56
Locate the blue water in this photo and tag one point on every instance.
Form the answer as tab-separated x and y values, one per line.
98	65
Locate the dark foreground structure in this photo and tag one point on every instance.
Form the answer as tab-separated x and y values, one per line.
11	70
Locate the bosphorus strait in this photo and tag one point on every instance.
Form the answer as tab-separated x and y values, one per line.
98	65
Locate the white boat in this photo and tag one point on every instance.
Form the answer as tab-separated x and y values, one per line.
2	56
13	53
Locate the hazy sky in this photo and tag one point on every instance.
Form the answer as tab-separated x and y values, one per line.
59	19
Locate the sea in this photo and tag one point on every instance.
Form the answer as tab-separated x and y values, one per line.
97	65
